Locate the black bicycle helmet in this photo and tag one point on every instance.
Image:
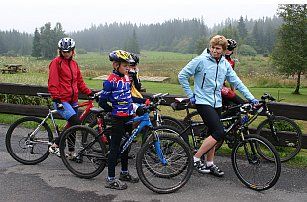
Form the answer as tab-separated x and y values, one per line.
66	44
135	58
120	56
232	44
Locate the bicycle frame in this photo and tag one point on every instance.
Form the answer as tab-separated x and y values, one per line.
144	121
235	121
89	104
50	114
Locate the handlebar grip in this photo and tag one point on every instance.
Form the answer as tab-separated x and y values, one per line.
156	95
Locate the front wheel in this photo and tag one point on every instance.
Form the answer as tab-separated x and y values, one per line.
251	168
28	142
84	157
164	162
284	134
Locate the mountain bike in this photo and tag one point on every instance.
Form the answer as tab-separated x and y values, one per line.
249	152
281	131
28	139
164	163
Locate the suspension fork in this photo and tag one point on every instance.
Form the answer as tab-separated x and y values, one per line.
273	129
158	149
270	117
253	152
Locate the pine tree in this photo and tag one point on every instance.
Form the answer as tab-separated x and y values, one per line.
242	29
49	39
132	44
36	49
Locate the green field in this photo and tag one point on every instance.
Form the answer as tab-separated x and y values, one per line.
254	71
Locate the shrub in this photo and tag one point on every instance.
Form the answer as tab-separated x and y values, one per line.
247	50
81	51
11	53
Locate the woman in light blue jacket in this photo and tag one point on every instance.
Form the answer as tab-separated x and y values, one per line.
210	69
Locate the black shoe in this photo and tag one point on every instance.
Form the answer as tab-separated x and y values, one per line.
128	178
116	184
214	170
200	167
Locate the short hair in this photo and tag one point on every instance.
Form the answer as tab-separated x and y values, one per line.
219	40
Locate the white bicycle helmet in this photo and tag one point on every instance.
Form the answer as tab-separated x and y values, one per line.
66	44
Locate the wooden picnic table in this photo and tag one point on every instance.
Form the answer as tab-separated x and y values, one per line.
13	68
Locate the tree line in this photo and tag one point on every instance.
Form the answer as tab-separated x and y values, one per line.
177	35
13	43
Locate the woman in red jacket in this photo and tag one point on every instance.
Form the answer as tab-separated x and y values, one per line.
64	83
228	94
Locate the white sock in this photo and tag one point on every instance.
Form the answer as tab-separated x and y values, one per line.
196	159
209	163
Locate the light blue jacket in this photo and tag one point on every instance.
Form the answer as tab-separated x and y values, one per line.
209	77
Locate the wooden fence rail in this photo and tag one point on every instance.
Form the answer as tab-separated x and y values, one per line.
296	112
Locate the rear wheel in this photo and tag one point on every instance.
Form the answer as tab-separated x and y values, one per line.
24	145
84	157
284	134
170	121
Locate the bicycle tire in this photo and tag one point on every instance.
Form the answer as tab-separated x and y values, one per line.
32	151
89	154
252	165
287	147
142	165
170	121
202	132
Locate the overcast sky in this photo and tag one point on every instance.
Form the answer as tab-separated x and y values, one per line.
26	15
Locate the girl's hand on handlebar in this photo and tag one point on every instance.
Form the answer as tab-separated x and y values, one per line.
147	102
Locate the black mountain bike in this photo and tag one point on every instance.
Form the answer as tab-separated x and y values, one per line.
250	152
281	131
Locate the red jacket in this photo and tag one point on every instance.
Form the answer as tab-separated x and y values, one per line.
65	80
232	62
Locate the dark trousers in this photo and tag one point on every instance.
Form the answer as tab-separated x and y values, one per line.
118	130
211	117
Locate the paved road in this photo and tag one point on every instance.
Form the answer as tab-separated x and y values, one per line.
50	181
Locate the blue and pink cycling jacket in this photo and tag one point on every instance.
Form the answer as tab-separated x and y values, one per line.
117	91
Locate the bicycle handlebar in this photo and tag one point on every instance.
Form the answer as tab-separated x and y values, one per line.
95	96
267	96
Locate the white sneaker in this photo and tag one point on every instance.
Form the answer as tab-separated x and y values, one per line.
71	156
55	150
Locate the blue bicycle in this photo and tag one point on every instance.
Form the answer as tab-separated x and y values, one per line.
164	163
